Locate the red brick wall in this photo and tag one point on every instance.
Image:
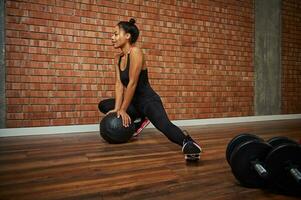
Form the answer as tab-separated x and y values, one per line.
59	57
291	56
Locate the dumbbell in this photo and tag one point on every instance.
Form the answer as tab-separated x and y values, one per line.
246	154
284	164
281	165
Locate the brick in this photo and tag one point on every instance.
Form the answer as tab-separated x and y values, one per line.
35	108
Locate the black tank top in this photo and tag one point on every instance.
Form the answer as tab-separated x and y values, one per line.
143	89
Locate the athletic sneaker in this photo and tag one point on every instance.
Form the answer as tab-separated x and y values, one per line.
191	149
140	126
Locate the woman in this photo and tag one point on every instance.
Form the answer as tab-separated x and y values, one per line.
134	97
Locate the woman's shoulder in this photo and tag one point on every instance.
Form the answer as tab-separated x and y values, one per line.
136	51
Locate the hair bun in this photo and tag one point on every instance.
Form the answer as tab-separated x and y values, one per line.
132	21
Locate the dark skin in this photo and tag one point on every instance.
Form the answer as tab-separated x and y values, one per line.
124	95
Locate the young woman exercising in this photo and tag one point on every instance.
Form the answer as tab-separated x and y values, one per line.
134	96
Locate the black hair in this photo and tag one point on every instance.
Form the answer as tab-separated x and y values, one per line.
131	28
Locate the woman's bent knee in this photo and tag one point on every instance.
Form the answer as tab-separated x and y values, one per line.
105	105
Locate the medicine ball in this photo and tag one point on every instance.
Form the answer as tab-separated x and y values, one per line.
112	130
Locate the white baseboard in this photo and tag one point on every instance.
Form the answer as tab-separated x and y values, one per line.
8	132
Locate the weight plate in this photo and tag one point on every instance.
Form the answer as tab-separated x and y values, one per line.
237	140
241	162
279	140
279	162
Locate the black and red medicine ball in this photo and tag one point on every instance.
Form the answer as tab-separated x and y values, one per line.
112	130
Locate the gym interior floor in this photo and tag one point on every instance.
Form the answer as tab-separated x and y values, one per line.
83	166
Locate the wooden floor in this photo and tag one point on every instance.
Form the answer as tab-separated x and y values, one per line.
83	166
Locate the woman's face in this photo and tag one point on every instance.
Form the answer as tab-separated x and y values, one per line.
119	37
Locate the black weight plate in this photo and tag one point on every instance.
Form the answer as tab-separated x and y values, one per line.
280	140
241	162
277	164
237	140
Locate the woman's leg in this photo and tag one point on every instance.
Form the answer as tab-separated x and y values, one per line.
156	113
106	105
109	104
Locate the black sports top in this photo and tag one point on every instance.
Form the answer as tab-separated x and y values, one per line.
143	88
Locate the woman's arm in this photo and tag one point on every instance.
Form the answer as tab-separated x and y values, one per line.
136	58
118	87
118	91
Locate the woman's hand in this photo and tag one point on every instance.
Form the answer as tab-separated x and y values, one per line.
126	120
111	111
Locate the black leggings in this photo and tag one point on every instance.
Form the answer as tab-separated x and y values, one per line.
155	112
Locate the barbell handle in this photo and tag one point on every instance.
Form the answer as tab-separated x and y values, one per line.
296	174
260	170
